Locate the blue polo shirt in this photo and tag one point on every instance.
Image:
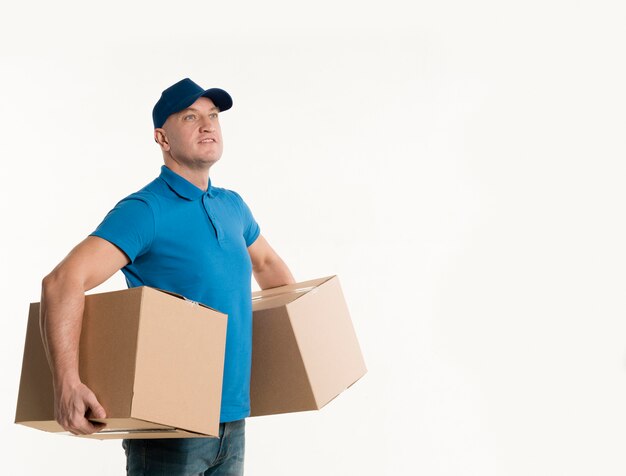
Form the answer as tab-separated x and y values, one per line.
194	242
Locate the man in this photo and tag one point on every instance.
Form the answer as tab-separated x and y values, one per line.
182	234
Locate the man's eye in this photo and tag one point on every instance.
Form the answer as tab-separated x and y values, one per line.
213	115
189	117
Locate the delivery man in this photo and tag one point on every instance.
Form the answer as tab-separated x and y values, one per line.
182	234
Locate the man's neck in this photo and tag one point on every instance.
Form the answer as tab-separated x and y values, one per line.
199	177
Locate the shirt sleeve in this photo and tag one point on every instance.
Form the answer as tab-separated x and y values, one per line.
130	226
251	229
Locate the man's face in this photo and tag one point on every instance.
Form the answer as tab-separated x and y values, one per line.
193	137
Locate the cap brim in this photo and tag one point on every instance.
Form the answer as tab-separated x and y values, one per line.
219	97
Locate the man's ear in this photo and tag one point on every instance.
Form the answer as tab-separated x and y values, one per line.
161	139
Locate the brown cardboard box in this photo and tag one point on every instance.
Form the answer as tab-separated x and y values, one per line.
305	351
154	360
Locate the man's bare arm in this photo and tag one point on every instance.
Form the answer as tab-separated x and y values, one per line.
268	268
89	264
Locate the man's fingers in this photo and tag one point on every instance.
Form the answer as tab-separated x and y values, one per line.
91	427
85	427
94	409
76	407
80	425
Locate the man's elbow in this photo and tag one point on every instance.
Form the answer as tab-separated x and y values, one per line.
260	266
54	278
49	282
59	279
49	287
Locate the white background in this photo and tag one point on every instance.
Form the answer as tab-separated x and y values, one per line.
459	165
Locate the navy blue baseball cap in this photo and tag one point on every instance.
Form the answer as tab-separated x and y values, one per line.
182	95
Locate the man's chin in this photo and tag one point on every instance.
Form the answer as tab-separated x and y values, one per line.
206	162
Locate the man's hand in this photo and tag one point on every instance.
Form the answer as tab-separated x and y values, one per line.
73	403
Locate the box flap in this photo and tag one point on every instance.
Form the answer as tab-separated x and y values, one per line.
279	296
288	288
180	296
129	428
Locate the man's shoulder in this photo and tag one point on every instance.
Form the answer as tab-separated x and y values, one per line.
143	201
231	198
147	194
227	193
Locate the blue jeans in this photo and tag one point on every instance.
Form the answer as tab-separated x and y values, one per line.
189	456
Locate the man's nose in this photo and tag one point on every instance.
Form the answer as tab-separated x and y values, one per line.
207	125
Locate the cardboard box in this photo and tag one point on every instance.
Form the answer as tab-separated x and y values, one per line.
305	351
154	360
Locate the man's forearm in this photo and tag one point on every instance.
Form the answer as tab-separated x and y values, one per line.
61	315
272	274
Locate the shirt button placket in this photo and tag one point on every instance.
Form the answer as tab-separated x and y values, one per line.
206	204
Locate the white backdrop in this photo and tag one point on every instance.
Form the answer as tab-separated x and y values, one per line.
459	165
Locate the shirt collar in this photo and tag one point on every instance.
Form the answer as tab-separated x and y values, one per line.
183	187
